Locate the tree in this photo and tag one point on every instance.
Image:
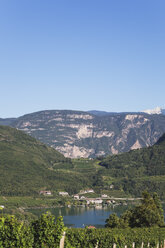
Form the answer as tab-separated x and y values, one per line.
148	214
47	232
159	207
113	221
14	233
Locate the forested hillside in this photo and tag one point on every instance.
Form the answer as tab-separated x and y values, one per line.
26	165
139	169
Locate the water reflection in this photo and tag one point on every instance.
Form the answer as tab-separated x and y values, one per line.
83	216
80	216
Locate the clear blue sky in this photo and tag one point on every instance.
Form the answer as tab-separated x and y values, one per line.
82	55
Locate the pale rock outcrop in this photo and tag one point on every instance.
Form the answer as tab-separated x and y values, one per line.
75	151
80	116
136	145
101	134
84	131
113	150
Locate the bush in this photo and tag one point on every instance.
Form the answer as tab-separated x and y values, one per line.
14	233
47	232
44	232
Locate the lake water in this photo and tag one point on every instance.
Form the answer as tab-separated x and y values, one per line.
81	216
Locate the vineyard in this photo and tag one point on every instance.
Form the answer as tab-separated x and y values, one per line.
119	238
48	232
44	232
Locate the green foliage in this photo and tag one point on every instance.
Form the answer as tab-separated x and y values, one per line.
148	214
133	171
47	232
28	166
113	221
78	238
105	238
42	233
159	207
14	233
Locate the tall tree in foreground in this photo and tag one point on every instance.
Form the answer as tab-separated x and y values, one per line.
148	214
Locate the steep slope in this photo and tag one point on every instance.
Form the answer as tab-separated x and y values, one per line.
26	165
161	141
139	169
81	134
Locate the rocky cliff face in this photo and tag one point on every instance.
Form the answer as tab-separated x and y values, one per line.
81	134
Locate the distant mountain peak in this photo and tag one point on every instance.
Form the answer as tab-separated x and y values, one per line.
157	110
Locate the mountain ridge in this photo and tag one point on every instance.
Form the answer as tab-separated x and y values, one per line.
157	110
82	134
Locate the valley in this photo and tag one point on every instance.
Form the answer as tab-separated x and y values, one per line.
35	178
28	167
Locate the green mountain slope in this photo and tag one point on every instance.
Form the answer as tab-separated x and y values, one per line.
26	165
140	169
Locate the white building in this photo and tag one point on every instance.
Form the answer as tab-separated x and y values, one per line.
76	197
90	191
64	193
45	192
104	196
86	191
94	201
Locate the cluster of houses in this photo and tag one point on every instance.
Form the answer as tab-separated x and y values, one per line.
81	197
63	193
82	192
93	201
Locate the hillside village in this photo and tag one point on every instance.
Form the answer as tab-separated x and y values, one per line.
90	200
